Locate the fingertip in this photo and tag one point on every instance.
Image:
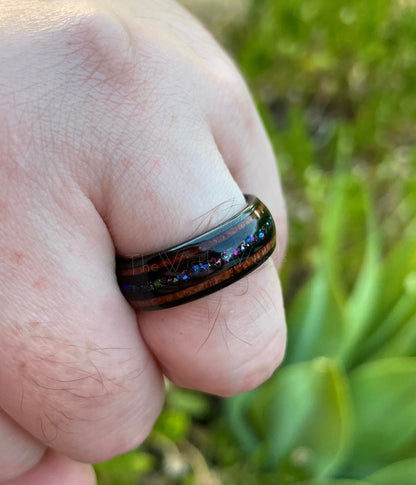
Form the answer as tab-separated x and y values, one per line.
226	343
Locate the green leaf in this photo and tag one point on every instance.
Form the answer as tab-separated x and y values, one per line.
321	321
125	469
236	410
400	262
297	142
302	417
394	306
332	226
192	403
364	297
315	319
173	424
402	344
384	402
401	473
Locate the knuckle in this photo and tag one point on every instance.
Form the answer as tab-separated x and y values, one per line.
98	45
74	69
236	91
235	96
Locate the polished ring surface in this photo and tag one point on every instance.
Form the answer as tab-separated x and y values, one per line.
201	265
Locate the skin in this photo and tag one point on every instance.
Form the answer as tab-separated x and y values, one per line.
125	128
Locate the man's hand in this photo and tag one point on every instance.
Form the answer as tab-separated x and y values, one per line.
123	128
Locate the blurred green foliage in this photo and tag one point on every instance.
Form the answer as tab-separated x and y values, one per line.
335	83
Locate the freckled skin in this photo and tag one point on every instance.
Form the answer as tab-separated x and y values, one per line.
41	283
125	130
3	211
17	257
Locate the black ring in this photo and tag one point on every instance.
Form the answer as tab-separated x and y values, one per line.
201	265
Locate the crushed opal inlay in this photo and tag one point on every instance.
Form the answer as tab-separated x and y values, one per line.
213	263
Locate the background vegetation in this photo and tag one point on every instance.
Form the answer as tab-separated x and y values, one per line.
335	82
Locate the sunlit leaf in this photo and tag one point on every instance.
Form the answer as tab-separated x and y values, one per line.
320	321
396	303
125	469
401	473
384	401
302	418
296	142
403	343
190	402
364	297
173	424
315	320
332	230
236	409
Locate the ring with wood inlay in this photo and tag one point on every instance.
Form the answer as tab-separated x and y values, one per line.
201	265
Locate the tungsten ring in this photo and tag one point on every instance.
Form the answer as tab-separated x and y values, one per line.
201	265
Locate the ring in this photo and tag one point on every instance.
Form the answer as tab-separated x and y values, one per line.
201	265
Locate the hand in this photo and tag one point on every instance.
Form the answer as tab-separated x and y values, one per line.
124	128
